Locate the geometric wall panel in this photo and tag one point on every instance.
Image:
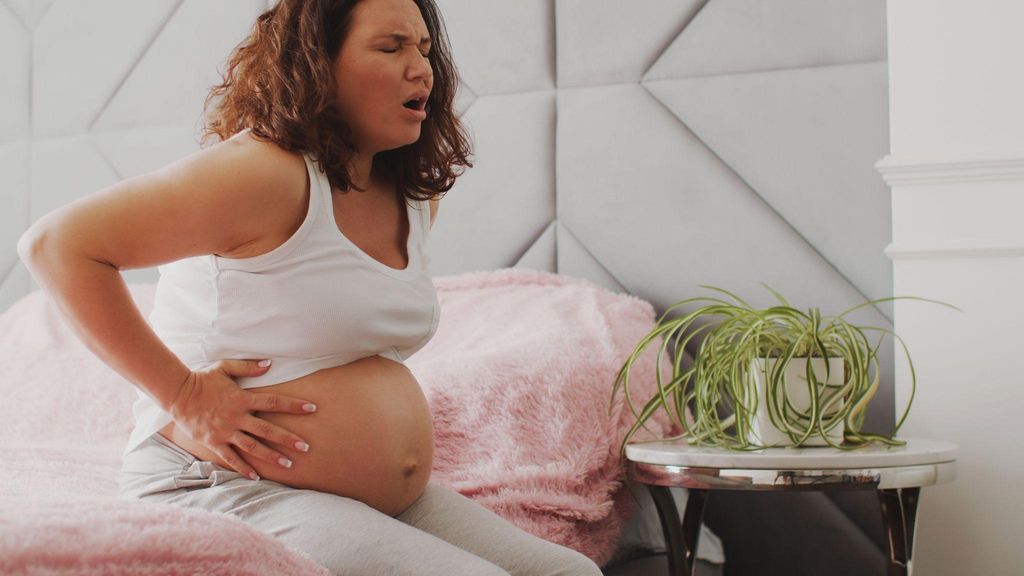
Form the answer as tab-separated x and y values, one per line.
575	259
14	218
170	81
15	79
697	222
738	36
79	51
802	139
502	47
30	12
542	253
15	45
464	98
131	152
589	53
82	171
504	203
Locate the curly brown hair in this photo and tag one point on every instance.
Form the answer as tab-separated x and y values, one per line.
280	84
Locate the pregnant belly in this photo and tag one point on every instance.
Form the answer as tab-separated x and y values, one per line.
371	438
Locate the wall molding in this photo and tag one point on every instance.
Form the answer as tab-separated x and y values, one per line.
899	171
977	249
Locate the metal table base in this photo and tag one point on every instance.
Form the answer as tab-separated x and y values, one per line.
898	489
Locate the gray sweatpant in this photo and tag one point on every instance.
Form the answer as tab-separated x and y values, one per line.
442	533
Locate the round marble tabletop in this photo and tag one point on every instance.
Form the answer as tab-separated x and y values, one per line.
916	451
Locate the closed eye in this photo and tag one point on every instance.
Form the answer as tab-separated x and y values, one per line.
427	55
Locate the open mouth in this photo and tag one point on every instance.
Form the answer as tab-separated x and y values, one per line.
416	104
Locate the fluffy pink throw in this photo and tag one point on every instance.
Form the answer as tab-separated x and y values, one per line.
518	377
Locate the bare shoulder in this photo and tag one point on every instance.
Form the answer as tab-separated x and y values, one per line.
241	172
275	191
231	198
266	163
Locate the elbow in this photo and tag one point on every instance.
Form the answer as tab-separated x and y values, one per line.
43	248
35	246
29	245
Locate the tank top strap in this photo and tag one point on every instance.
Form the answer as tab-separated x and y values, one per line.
425	218
309	222
319	186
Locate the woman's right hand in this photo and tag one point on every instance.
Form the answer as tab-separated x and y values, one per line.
212	409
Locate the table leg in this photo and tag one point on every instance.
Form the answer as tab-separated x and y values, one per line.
680	541
899	513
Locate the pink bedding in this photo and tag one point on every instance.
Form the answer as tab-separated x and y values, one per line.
518	377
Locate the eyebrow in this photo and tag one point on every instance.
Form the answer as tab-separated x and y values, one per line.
402	37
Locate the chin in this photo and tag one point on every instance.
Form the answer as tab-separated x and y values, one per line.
406	143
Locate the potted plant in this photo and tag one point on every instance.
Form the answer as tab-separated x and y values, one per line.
788	377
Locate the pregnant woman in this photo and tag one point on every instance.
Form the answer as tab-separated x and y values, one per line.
293	284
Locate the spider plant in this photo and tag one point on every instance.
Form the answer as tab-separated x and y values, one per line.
743	345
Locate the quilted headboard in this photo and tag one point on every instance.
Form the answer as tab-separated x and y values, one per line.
650	146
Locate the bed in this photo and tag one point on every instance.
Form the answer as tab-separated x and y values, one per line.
524	424
646	148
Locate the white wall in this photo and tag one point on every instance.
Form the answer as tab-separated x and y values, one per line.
956	169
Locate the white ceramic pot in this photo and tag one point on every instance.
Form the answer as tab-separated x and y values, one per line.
762	430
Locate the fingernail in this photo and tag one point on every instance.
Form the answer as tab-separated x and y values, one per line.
284	462
309	407
264	363
302	446
254	476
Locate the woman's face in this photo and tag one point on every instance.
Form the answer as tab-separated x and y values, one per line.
377	72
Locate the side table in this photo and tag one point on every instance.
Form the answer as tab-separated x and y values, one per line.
897	473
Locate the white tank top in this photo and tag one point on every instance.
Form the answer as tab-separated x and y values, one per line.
314	302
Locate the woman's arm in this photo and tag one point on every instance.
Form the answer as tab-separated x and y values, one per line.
210	202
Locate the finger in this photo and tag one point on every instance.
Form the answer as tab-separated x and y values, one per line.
266	402
258	449
264	429
228	454
236	367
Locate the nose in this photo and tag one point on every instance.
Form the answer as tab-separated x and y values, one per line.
420	68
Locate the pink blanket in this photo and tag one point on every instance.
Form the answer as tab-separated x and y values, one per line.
518	378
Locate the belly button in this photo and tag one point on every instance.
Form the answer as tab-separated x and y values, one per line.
409	469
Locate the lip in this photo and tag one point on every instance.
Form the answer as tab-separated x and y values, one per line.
421	114
422	94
